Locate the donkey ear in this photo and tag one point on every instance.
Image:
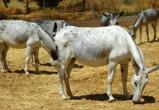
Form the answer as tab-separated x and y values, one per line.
55	27
106	14
154	68
120	14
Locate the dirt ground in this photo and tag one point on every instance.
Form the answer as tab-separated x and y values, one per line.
40	91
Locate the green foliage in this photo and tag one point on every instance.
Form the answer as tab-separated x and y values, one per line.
127	1
2	16
131	13
6	2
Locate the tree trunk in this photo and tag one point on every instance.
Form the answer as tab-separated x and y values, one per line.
27	9
83	5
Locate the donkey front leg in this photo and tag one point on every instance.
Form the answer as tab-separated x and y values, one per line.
36	58
63	79
28	53
140	34
124	76
112	68
68	71
154	26
147	32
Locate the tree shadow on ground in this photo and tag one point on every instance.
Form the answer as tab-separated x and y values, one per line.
104	97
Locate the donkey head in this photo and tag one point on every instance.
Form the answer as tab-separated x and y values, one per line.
110	19
58	26
132	32
139	82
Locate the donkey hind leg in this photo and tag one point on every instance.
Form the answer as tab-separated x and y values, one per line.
4	55
147	32
3	52
154	26
124	76
33	55
28	54
64	74
112	68
1	57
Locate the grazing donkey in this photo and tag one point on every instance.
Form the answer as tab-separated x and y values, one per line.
108	19
22	34
96	47
145	17
50	27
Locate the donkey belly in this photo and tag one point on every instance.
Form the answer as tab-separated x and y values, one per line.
92	57
94	62
15	41
16	45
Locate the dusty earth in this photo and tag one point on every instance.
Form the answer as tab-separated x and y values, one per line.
40	91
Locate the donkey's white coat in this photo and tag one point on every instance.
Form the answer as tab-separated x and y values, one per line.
96	47
22	34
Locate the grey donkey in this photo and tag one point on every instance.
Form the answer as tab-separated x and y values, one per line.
146	17
50	27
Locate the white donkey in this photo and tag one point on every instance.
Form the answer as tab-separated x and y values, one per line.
96	47
22	34
146	17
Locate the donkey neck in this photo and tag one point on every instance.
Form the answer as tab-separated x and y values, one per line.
48	43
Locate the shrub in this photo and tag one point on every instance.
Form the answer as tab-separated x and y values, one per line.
2	16
47	3
127	1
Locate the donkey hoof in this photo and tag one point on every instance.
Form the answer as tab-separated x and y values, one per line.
111	100
27	73
65	98
6	71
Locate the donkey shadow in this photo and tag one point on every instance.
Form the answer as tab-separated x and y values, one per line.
152	41
118	97
74	66
34	72
101	97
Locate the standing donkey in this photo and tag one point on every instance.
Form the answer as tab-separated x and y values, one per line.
145	17
108	19
22	34
97	47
